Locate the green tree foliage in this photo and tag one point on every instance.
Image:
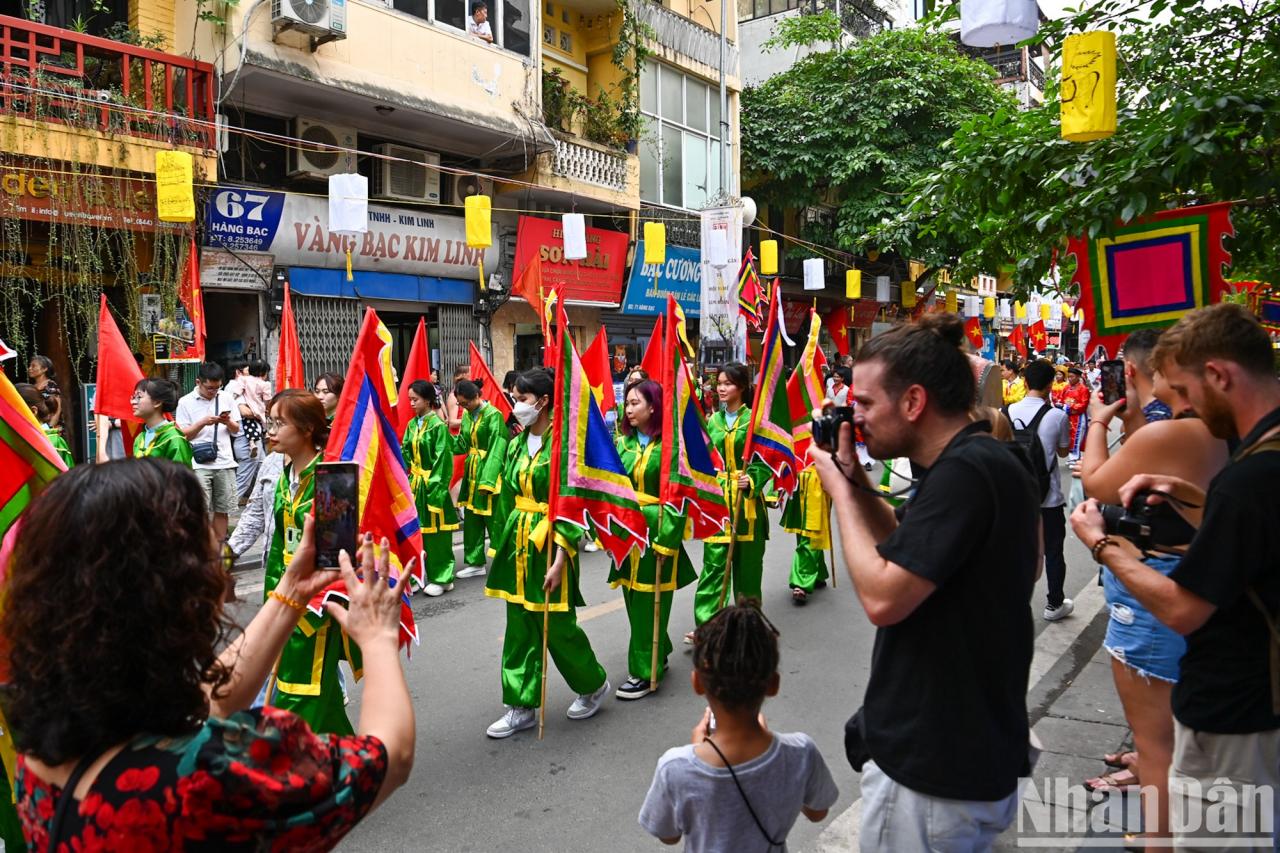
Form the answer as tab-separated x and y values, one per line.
859	124
1198	114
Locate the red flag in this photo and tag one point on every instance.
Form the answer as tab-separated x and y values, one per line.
1017	341
192	297
7	352
838	327
489	390
1039	337
973	331
289	373
118	372
654	354
595	361
417	367
529	286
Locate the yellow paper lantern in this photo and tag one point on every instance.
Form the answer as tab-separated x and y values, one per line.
1088	89
908	294
768	257
853	284
953	303
655	243
1046	311
479	221
175	196
989	307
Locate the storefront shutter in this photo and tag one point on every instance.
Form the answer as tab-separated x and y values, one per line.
458	328
327	330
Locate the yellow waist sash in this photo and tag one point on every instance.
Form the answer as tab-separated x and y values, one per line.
539	533
418	474
730	483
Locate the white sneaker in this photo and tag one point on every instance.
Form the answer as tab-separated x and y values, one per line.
587	704
1062	611
515	720
591	546
435	589
470	572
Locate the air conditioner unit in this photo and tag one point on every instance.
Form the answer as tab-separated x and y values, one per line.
316	17
465	185
406	181
314	161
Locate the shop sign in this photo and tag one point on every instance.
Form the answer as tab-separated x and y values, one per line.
720	284
864	313
294	229
226	270
795	315
106	201
680	275
597	278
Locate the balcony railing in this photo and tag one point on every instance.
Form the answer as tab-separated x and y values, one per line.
590	165
54	75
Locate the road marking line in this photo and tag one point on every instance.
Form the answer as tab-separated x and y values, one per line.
1054	641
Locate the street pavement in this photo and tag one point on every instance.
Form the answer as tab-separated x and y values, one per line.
582	786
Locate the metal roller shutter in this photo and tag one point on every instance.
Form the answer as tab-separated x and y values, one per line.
458	328
327	332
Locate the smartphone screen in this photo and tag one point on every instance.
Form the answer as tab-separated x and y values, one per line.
1112	380
337	511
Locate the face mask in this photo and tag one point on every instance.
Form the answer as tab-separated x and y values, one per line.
525	413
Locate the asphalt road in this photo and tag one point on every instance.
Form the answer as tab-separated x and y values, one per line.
580	789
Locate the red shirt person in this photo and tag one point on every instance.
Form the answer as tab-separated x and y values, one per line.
1075	399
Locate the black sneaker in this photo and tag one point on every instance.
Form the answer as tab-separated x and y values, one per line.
633	688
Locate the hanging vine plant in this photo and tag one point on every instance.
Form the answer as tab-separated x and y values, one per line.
629	54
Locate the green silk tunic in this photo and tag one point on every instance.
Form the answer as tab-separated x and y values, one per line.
666	526
483	438
753	520
167	442
428	454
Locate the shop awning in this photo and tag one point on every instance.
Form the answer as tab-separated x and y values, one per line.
312	281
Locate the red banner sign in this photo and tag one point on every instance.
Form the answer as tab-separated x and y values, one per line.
795	314
596	278
864	313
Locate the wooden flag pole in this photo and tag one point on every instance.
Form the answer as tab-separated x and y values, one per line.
831	544
546	619
733	538
657	610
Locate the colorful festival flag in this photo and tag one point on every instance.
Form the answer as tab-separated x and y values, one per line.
973	331
752	303
27	460
289	372
7	352
690	461
489	390
362	432
805	392
118	373
417	367
595	361
769	435
1150	272
590	487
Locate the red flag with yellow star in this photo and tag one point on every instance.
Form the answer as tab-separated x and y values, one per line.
973	331
837	325
1039	337
1018	341
595	363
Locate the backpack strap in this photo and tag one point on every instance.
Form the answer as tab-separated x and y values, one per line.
1035	422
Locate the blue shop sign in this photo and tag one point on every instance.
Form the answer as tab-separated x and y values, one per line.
680	275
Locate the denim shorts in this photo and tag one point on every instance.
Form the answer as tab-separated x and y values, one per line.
1134	636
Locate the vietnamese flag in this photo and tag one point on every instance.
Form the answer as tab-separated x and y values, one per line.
1039	337
837	326
973	331
289	373
1017	341
417	367
595	362
489	390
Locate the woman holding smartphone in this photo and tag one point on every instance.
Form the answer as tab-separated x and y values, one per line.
160	438
537	593
744	495
428	455
306	680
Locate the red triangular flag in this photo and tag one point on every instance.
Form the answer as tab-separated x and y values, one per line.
595	362
489	390
118	372
528	284
1017	341
417	367
192	297
289	373
837	327
652	361
973	331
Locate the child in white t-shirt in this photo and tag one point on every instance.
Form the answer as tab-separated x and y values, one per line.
737	786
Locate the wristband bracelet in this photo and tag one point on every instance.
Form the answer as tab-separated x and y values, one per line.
288	602
1096	550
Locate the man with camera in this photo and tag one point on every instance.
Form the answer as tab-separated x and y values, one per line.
1225	593
942	737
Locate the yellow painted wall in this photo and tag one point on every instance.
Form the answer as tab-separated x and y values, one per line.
561	21
154	17
23	137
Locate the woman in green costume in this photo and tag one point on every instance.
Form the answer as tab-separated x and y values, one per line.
428	456
521	577
640	447
744	487
161	438
483	438
306	677
40	408
808	516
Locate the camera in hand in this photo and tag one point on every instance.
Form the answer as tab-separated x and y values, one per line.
826	429
1151	527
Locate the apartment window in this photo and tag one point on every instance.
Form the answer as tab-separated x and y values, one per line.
508	19
751	9
680	141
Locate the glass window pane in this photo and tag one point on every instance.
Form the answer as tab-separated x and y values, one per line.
762	8
744	10
695	103
695	171
515	26
713	169
776	6
650	161
417	8
714	127
649	88
671	94
671	160
452	12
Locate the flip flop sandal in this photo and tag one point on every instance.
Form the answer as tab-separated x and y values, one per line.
1113	782
1120	760
799	597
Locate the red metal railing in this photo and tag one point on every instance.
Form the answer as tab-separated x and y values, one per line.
60	76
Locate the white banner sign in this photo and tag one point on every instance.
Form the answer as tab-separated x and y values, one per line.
719	284
223	270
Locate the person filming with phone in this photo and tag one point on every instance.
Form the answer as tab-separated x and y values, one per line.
942	737
1224	594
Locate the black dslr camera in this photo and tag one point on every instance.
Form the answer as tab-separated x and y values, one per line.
826	429
1151	527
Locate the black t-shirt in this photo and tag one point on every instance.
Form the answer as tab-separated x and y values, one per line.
1225	683
945	710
